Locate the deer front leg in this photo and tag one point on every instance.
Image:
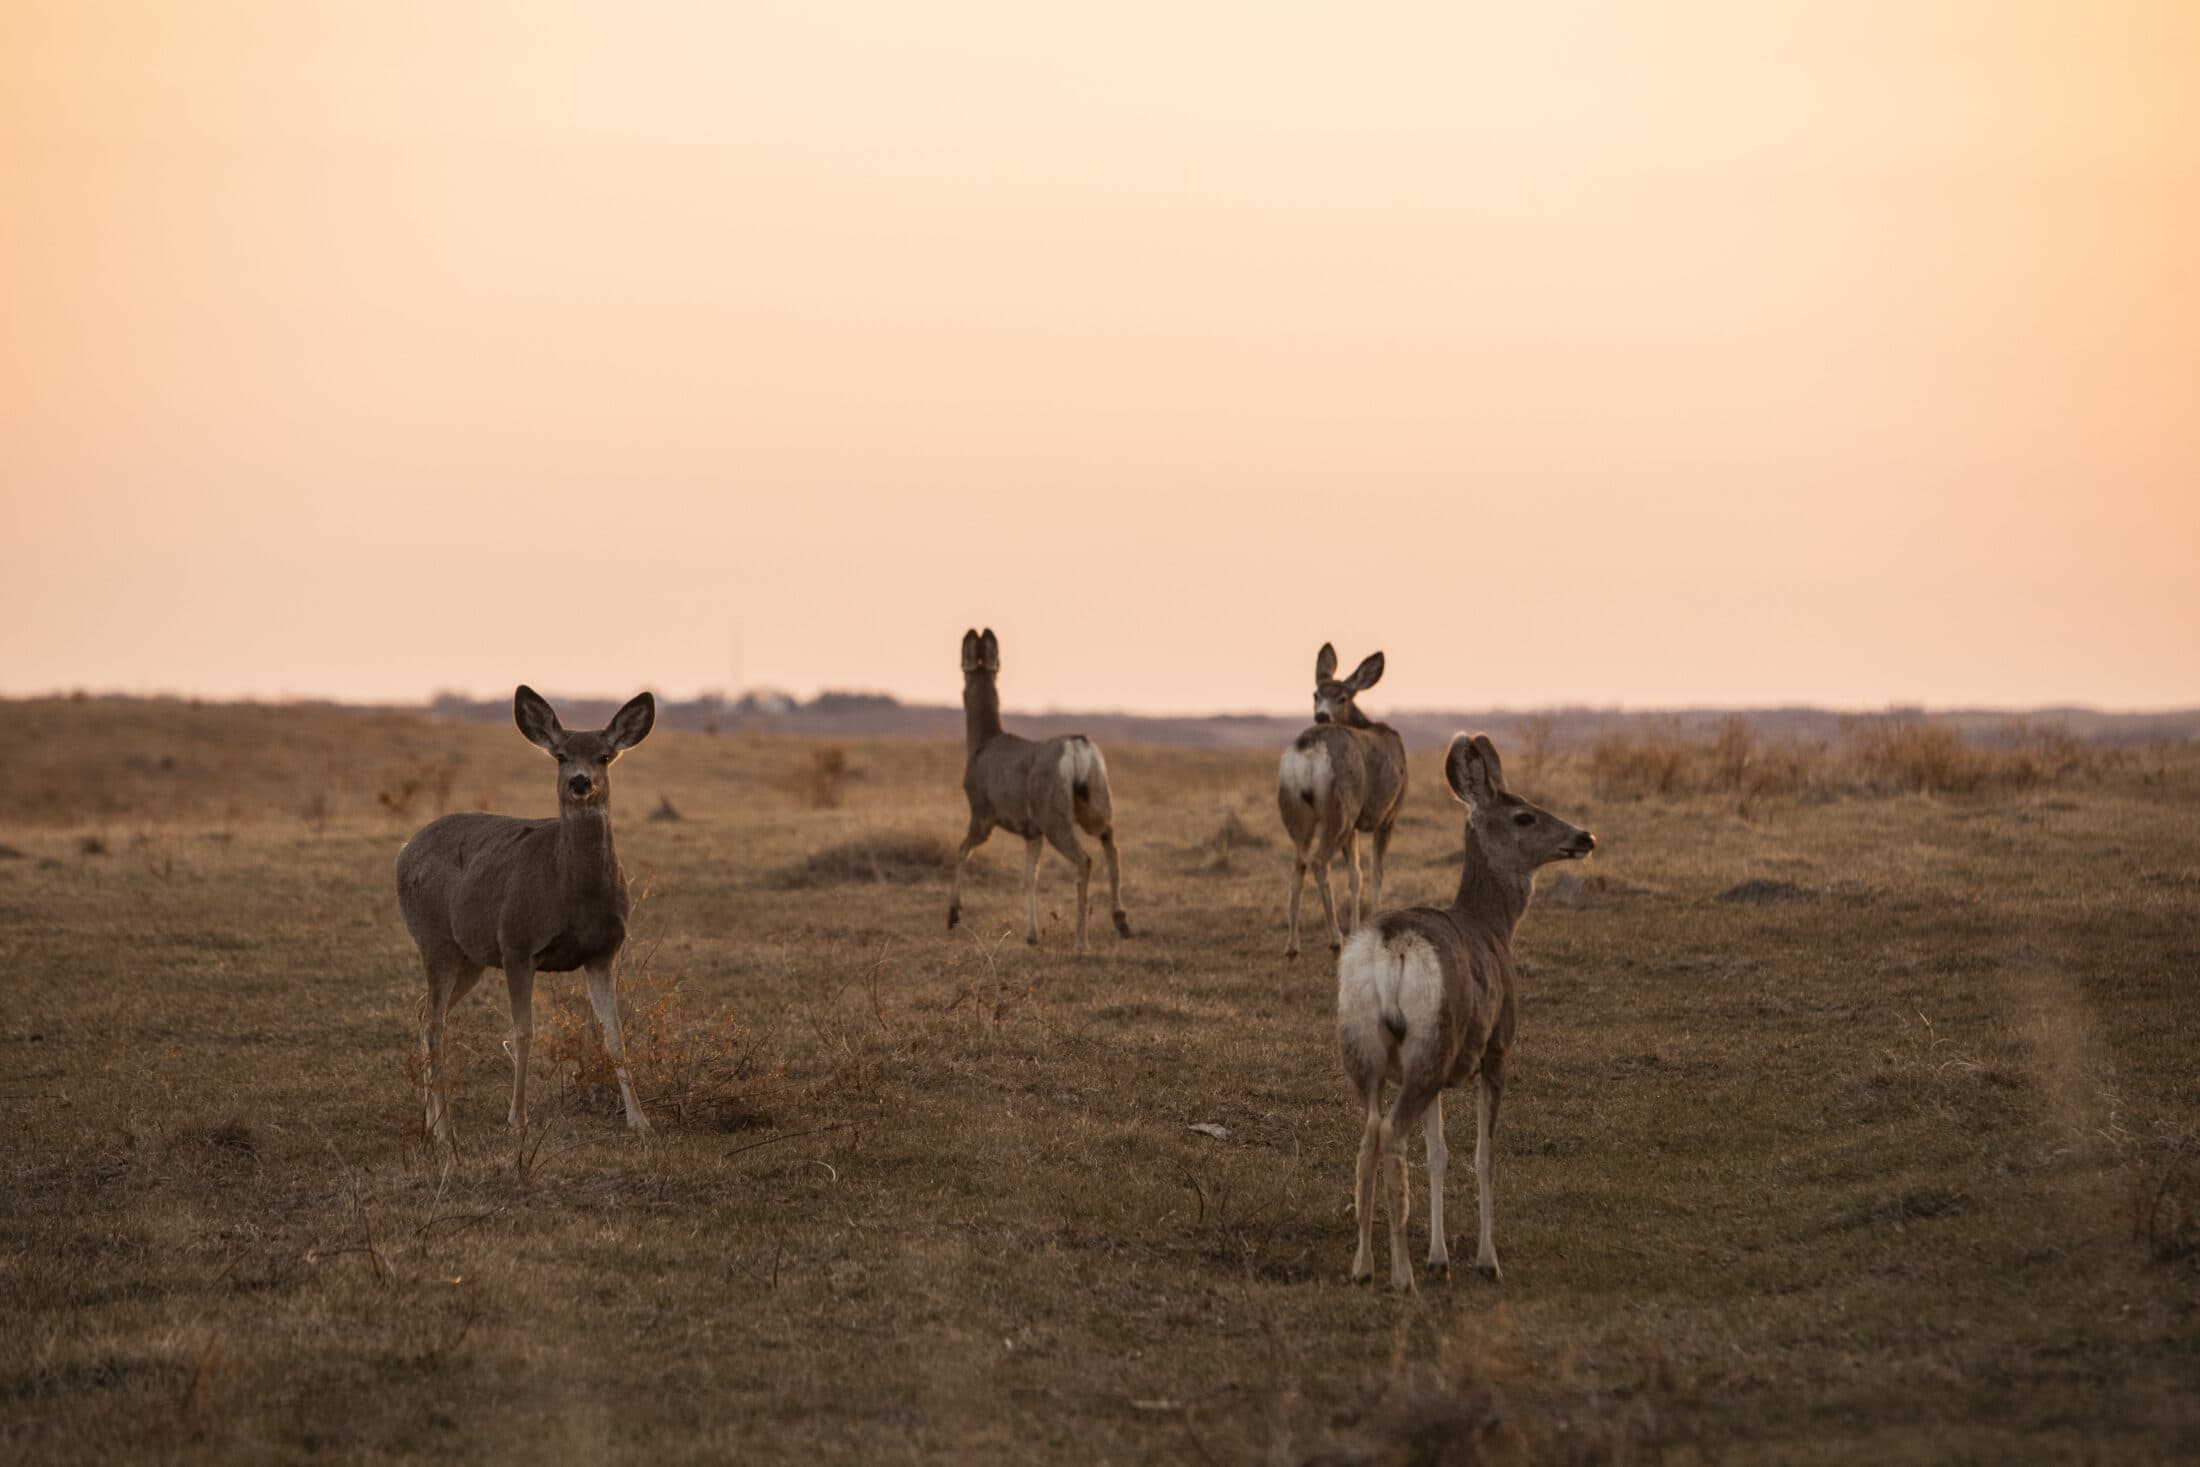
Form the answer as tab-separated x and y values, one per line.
971	841
519	987
1031	889
604	999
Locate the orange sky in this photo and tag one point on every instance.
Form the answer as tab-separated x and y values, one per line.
1716	351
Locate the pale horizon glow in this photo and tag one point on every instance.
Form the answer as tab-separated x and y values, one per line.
1710	354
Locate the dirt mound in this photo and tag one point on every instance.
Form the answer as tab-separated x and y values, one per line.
1217	854
1763	891
891	859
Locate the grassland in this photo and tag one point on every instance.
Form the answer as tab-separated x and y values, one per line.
1855	1129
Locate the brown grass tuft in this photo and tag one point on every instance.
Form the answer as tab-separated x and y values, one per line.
1217	854
694	1064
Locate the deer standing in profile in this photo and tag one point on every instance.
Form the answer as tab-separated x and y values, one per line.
1426	999
526	896
1344	775
1040	791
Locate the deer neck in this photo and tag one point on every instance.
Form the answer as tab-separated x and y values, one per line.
1352	717
587	863
1489	898
981	709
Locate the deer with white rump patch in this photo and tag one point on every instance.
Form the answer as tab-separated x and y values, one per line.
1044	792
1426	1000
526	896
1344	775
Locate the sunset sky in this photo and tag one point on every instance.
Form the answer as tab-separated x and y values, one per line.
1622	353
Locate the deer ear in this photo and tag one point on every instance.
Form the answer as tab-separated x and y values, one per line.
990	645
1368	673
1325	663
1465	773
531	711
1491	765
631	724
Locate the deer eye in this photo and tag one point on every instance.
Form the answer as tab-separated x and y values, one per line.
1523	819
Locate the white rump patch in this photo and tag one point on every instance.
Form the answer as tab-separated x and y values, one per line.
1306	771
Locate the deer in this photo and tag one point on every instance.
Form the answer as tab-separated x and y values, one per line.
527	896
1427	998
1045	792
1344	775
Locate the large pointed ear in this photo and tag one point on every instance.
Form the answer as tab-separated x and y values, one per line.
531	711
1367	674
990	645
1465	772
1325	663
631	724
1490	764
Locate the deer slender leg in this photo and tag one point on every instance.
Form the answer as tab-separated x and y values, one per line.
971	842
448	980
1031	890
1432	1128
1486	1095
519	987
1352	875
604	999
1115	882
1298	885
1065	841
1363	1188
1405	1113
1329	898
1382	850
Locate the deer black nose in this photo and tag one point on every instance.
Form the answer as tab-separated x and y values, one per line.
580	784
1321	715
1584	843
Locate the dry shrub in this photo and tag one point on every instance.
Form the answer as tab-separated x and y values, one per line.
820	780
1217	854
1915	757
693	1062
888	858
1629	766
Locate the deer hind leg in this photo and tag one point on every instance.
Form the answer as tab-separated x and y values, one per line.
1352	875
1381	844
1487	1093
1115	881
1363	1186
1032	845
449	977
1065	841
1432	1129
1298	885
971	842
519	987
604	999
1323	855
1405	1113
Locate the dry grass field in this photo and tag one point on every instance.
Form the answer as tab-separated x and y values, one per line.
1847	1123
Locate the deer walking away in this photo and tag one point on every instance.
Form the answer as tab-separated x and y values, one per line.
1045	792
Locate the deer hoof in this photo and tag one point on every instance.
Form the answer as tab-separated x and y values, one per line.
1491	1271
1402	1283
954	915
1439	1268
1291	952
1122	925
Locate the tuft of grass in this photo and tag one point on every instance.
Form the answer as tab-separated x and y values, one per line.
1217	853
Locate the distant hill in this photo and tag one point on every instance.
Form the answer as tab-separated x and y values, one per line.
877	715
